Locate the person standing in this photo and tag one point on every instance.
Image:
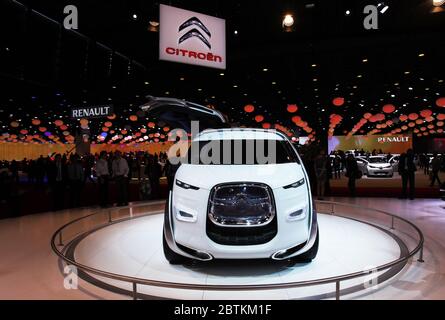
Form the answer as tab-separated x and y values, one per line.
435	168
320	167
75	177
407	170
352	172
426	164
103	175
57	174
120	174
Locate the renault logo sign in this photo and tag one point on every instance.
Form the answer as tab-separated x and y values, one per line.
192	38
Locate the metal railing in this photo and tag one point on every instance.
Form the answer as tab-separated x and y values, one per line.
59	249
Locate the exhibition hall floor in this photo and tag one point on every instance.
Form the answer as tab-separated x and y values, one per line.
30	270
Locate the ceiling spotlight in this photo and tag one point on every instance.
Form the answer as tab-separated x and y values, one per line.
314	65
438	3
422	54
348	12
288	21
221	74
134	16
265	69
365	60
235	32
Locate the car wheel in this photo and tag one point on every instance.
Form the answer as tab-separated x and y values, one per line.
171	256
309	255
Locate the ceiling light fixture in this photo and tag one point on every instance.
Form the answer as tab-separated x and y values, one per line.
438	3
348	12
288	21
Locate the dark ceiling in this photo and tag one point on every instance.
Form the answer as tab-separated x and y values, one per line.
327	55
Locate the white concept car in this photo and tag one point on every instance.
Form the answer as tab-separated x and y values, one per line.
227	204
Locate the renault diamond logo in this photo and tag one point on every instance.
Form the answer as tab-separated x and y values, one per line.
195	33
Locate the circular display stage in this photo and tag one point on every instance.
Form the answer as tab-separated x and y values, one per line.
134	248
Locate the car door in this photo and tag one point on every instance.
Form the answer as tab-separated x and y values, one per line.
362	165
179	114
395	163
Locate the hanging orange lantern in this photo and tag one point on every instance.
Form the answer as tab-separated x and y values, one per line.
296	119
259	118
35	122
112	116
426	113
58	123
151	124
388	108
23	131
133	118
166	129
42	129
403	117
249	108
14	124
338	102
367	115
413	116
108	124
266	125
440	102
63	127
292	108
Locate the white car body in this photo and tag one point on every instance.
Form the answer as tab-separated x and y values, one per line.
234	210
378	166
193	233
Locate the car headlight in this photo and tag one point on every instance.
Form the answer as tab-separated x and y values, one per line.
185	185
295	184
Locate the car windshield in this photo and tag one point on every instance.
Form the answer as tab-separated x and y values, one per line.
377	160
241	152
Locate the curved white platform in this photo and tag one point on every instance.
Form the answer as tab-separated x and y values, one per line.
134	248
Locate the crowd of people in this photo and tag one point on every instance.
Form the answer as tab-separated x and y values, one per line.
322	168
65	176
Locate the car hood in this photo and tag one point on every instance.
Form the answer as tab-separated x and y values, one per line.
207	176
379	165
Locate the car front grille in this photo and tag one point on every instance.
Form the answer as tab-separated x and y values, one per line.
241	214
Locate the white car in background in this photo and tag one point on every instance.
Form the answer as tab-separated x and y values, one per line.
379	166
237	209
